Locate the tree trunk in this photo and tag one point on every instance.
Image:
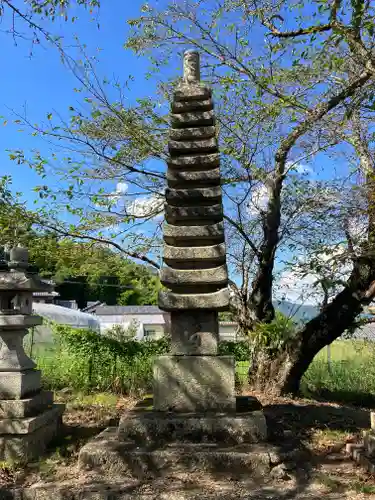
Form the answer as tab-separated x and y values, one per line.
281	373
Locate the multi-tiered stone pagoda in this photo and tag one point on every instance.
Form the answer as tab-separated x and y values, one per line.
194	420
195	270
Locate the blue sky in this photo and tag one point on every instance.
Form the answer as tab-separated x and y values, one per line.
44	85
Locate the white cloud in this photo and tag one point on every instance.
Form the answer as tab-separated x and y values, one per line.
295	285
146	207
121	188
259	200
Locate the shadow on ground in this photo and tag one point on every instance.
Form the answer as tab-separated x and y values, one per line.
312	470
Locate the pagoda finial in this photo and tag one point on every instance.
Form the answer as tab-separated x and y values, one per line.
192	72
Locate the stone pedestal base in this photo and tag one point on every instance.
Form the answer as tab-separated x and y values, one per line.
194	383
27	426
151	443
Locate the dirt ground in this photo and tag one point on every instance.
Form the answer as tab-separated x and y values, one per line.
319	430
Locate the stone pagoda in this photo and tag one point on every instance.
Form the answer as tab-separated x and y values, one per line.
194	420
28	417
193	377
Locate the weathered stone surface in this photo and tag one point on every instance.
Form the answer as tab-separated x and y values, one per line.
12	354
369	443
183	134
211	253
212	213
20	281
152	427
196	105
219	301
197	92
193	146
214	232
195	161
30	424
193	119
17	321
204	177
24	447
194	195
20	408
19	385
214	276
194	383
194	332
107	453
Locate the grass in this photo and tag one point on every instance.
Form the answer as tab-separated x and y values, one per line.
350	374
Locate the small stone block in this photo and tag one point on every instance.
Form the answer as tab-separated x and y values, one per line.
214	232
194	383
194	332
212	213
218	301
24	447
21	408
185	134
19	385
189	92
179	196
30	424
184	106
194	146
195	161
203	177
193	119
210	253
177	277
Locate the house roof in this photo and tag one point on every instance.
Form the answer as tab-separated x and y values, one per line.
103	310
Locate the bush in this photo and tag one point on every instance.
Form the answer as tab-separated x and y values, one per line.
86	361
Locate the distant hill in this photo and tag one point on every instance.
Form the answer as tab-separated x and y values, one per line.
298	312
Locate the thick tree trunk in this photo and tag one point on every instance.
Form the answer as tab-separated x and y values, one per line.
281	373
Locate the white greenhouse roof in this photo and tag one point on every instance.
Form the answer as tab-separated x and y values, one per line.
66	316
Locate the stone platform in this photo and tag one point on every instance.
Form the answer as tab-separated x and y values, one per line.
148	443
28	425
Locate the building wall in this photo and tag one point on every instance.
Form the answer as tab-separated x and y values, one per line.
156	324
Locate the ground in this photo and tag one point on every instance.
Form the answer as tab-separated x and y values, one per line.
319	430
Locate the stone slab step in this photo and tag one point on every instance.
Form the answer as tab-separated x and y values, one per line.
153	427
29	424
108	454
21	408
33	444
369	443
358	454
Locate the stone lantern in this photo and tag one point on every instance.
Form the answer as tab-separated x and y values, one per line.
28	417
